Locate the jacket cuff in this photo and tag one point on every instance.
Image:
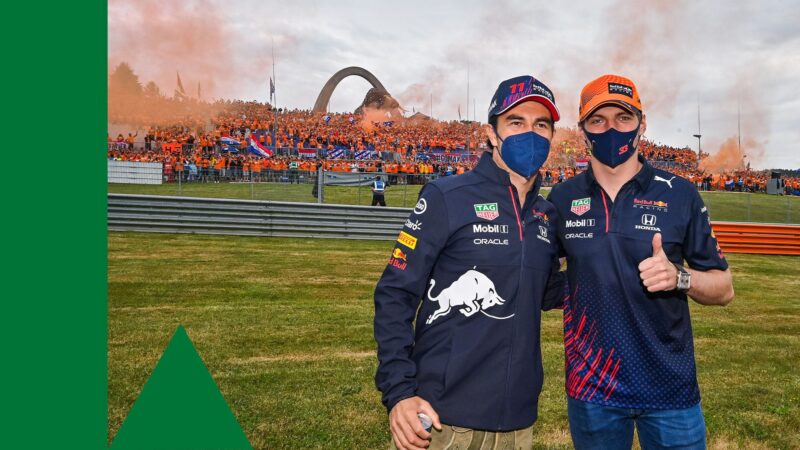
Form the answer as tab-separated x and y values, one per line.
390	402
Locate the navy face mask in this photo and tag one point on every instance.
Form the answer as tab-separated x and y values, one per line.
524	153
612	147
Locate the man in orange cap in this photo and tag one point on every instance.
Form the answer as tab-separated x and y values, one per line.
627	229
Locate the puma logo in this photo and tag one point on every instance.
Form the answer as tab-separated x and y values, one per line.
669	182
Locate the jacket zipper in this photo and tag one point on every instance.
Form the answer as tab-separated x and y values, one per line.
516	211
520	226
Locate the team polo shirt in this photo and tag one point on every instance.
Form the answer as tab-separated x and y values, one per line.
626	347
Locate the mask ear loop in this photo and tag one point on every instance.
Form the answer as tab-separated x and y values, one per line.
638	137
500	141
497	135
589	143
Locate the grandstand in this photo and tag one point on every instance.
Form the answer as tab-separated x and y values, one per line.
216	142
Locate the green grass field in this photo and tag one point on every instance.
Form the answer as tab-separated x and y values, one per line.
399	195
285	328
726	206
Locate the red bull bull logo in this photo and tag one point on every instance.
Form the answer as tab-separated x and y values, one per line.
472	292
399	259
398	254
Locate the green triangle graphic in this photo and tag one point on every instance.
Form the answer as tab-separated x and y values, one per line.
180	406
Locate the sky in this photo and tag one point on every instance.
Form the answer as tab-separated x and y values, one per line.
737	62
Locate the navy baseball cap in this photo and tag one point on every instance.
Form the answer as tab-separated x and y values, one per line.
522	89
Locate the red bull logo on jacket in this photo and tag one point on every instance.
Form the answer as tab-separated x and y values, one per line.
399	259
650	204
472	290
397	253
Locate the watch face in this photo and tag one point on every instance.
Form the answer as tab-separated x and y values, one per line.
683	280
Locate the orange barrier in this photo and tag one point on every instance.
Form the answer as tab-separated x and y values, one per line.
757	238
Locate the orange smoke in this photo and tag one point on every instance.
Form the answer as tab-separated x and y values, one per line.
161	38
729	157
438	83
418	95
646	45
754	125
370	115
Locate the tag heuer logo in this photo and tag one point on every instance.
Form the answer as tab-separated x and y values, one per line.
581	206
486	211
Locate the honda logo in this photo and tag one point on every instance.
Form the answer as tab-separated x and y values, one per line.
648	220
542	231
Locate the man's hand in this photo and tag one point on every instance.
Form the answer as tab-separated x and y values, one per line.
407	430
657	272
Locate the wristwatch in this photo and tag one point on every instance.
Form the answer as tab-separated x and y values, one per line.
684	279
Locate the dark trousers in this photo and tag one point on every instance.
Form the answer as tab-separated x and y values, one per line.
378	199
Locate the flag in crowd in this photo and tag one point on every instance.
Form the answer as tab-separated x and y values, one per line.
364	154
229	141
336	154
271	88
258	148
180	92
307	152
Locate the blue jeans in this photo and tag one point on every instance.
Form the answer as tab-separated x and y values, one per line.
605	427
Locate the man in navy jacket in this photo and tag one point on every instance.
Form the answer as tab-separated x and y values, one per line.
458	308
627	228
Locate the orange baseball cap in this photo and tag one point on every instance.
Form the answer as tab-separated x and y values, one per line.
609	89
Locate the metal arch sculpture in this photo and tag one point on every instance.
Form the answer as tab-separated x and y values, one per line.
321	105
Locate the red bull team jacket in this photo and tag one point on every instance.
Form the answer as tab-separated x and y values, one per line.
458	308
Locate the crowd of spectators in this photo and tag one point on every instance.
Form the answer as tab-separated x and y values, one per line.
408	149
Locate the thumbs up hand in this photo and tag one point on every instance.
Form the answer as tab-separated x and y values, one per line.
657	272
657	247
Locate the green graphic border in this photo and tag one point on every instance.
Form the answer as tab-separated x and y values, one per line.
54	309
